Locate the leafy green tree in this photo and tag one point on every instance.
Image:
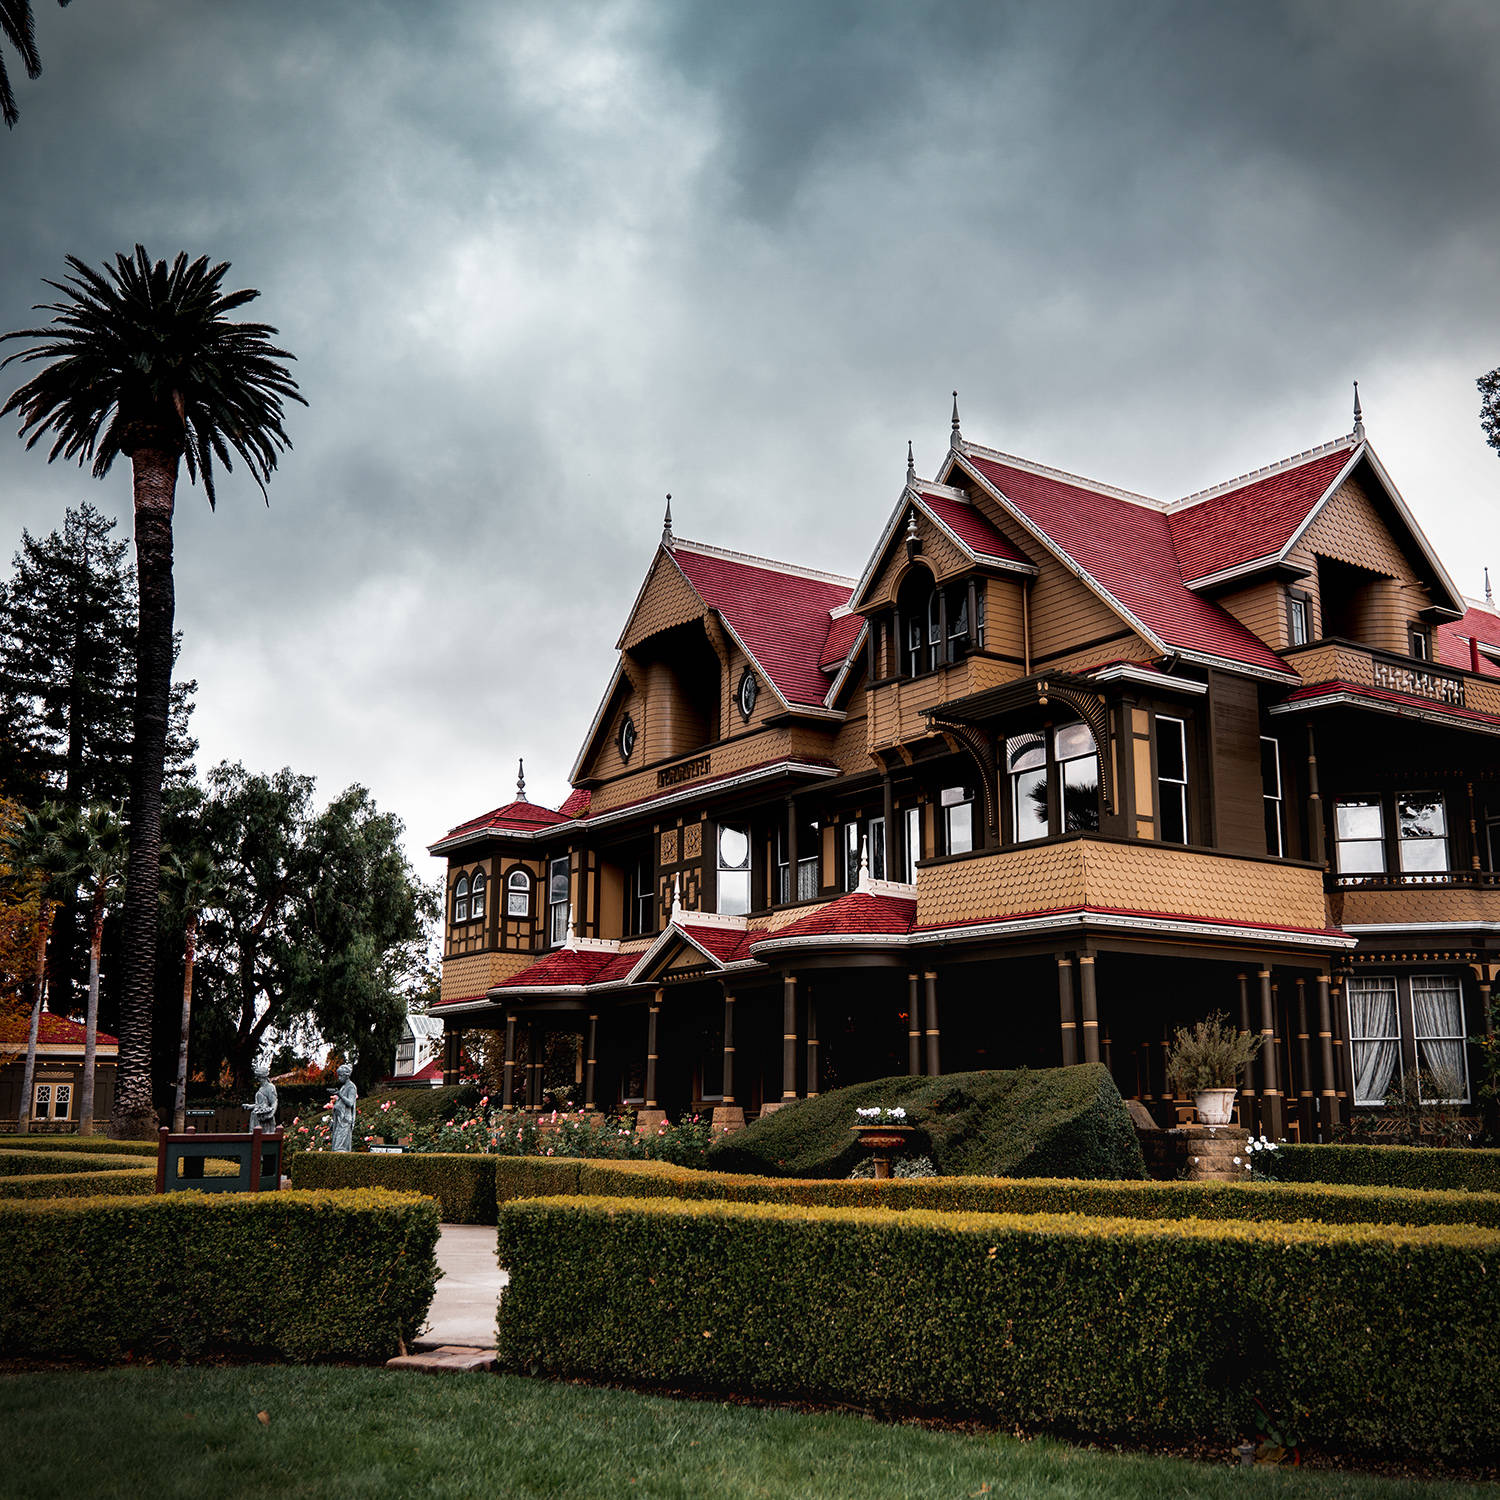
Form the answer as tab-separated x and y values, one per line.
18	27
143	360
1489	407
191	881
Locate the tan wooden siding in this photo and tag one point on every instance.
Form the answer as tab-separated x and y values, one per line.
1127	647
941	558
607	760
469	937
1420	904
1234	751
724	759
667	600
896	708
1262	610
475	974
1004	631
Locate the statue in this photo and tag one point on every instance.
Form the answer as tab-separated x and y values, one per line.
263	1110
344	1109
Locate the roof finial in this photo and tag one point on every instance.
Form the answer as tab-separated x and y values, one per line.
667	539
911	465
1489	593
957	440
864	865
676	897
1359	416
572	928
521	780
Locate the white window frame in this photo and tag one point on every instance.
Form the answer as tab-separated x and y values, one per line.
739	874
1402	843
557	908
911	843
1446	982
1180	786
1276	798
1298	612
1339	840
477	888
950	799
461	899
1357	1041
518	889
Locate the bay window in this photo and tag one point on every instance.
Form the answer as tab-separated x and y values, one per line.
1398	1021
1419	821
1030	759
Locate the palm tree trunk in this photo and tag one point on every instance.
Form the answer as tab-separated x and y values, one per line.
155	476
28	1076
179	1110
91	1021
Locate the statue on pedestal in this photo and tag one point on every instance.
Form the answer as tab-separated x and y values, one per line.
344	1109
263	1110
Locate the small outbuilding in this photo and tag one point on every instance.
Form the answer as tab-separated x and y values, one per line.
57	1086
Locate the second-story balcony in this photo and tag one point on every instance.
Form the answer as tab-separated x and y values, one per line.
1346	671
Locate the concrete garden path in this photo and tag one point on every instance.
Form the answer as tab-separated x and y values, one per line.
460	1332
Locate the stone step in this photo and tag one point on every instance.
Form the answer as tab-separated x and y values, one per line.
445	1357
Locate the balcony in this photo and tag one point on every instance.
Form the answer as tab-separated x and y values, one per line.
1384	672
1418	899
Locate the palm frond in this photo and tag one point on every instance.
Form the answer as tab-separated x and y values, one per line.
18	27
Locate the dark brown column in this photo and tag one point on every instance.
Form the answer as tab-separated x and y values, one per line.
1316	844
1066	1015
1089	997
789	1037
811	1001
508	1073
1306	1114
1247	1073
914	1024
652	1011
934	1061
1486	1019
1343	1053
534	1045
590	1061
1272	1120
728	1046
1329	1105
451	1045
791	850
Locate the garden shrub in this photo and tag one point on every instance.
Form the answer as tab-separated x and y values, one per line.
95	1144
33	1163
1370	1337
425	1106
464	1186
1385	1166
301	1276
131	1182
1050	1122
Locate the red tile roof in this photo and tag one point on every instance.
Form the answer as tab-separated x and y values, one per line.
526	815
858	912
567	966
970	525
1258	519
727	944
780	614
842	633
52	1031
1386	695
576	803
1126	548
1480	623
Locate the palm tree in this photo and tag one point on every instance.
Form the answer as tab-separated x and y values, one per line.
143	360
18	28
91	848
193	882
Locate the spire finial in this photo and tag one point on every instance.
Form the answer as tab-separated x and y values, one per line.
957	439
1359	416
520	780
864	865
572	928
676	897
911	464
667	539
1489	593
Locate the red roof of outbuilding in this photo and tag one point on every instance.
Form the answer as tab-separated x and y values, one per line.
1257	519
858	912
1481	623
780	613
1126	548
52	1031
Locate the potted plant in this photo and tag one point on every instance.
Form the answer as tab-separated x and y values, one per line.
882	1131
1205	1061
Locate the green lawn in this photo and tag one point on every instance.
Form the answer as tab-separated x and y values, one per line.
340	1432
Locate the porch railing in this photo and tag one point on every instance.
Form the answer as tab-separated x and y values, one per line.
1404	880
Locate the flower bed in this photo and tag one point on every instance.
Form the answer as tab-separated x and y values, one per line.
1092	1326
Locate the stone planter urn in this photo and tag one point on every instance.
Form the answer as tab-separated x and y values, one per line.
1214	1106
882	1141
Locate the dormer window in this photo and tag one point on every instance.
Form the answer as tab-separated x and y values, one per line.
749	691
627	737
938	625
461	899
518	894
476	896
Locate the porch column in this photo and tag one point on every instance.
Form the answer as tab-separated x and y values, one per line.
728	1046
1247	1073
1090	998
1343	1053
934	1064
534	1066
1316	848
1486	1019
791	853
788	1038
590	1062
1066	1013
1305	1113
1272	1120
508	1075
452	1045
653	1010
812	1042
913	1025
1329	1080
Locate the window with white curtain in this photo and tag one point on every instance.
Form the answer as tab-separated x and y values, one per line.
1442	1057
518	894
1374	1035
461	899
911	845
558	874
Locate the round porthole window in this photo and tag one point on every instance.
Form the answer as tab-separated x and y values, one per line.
627	737
749	692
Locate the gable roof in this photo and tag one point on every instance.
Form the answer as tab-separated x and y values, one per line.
1480	623
721	940
1122	548
52	1031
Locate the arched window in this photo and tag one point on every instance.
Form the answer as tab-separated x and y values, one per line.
476	896
461	899
1032	759
518	894
920	607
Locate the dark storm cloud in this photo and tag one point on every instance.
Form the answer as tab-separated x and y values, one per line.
542	263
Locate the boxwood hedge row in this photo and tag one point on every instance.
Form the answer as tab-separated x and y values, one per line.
464	1185
301	1276
96	1144
121	1181
1387	1166
33	1163
1359	1336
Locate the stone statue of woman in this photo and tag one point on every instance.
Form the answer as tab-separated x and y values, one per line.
344	1110
263	1110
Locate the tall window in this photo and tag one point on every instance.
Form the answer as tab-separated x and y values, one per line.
875	834
871	836
640	897
1172	778
518	894
809	861
911	844
557	900
924	634
1029	760
957	803
1422	829
1442	1055
1359	830
1077	758
1374	1035
1299	619
734	870
1026	755
476	896
1270	787
461	899
1420	643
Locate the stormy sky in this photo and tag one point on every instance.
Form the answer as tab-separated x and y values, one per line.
542	263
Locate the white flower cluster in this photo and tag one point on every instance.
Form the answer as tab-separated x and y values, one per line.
879	1112
1257	1144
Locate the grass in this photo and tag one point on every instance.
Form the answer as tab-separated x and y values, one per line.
332	1433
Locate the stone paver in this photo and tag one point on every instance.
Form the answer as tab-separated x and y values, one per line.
468	1292
449	1357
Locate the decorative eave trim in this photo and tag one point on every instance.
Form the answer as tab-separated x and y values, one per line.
66	1049
1420	537
775	944
1229	664
1254	476
1339	698
1146	677
1126	921
896	890
831	697
1375	928
767	564
675	931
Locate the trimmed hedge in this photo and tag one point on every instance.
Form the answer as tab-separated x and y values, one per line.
1263	1202
301	1276
463	1184
425	1106
129	1182
1049	1122
95	1144
1376	1338
33	1163
1472	1169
